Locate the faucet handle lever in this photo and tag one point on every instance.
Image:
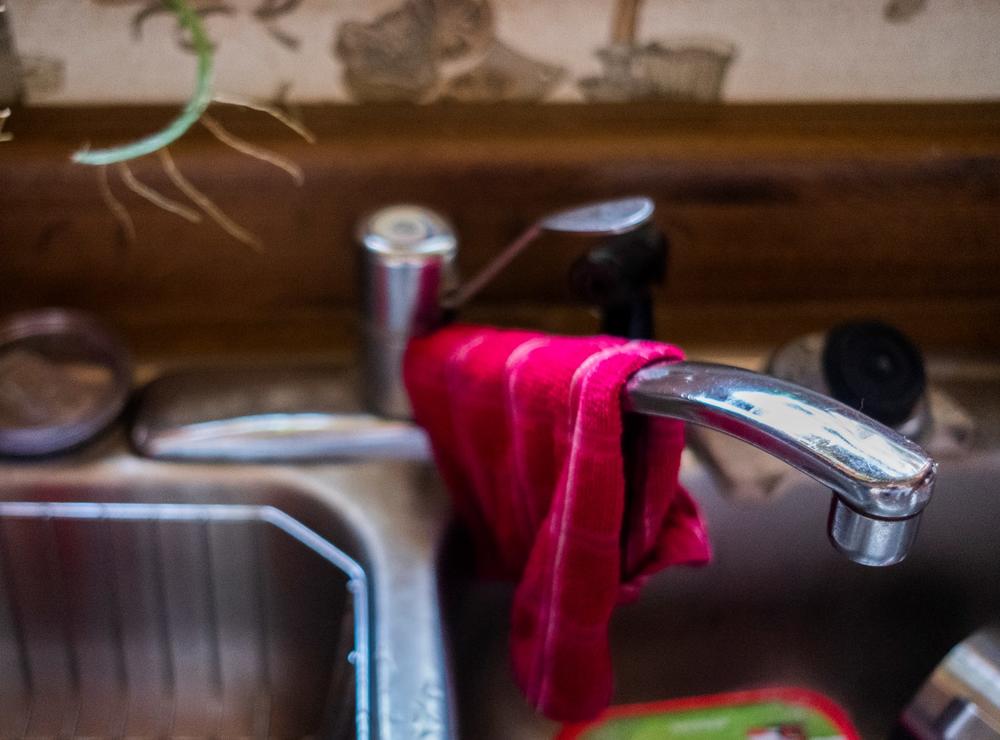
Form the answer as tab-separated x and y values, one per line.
604	218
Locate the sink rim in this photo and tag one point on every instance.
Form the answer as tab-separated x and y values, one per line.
393	510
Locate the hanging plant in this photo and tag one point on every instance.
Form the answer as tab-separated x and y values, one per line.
158	143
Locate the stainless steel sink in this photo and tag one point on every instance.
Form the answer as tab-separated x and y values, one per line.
145	598
156	600
777	607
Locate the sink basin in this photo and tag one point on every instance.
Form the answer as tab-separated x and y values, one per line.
137	612
146	599
777	607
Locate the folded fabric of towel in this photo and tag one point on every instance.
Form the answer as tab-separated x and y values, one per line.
563	493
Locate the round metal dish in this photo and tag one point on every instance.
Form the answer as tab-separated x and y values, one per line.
63	378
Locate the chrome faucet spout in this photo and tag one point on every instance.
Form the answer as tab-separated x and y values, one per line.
881	481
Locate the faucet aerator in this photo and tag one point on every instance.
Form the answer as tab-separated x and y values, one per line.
868	540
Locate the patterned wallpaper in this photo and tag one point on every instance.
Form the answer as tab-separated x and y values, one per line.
84	51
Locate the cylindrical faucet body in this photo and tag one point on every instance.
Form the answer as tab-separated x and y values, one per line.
408	263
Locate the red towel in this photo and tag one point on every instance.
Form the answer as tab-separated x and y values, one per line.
527	431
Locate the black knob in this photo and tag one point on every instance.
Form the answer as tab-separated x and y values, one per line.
617	276
876	369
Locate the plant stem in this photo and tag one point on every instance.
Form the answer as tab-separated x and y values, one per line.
199	101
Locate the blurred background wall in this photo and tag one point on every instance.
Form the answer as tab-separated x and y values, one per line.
130	51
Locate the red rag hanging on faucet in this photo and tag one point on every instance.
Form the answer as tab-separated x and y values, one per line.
527	431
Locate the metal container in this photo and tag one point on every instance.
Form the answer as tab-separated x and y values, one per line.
409	252
961	699
64	377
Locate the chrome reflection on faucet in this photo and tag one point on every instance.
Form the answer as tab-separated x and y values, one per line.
880	480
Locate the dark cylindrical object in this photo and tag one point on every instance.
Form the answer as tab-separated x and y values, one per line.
875	368
618	275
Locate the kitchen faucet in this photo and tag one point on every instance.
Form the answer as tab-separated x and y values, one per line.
881	481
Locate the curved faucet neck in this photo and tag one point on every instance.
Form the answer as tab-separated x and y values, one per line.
881	480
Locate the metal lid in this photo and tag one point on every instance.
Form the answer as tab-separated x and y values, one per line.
407	230
63	378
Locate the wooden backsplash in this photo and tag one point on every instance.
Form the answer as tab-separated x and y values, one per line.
781	219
